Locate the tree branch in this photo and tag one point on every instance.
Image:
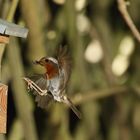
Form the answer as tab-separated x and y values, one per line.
98	94
123	9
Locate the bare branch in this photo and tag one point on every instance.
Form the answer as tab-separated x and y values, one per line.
98	94
123	9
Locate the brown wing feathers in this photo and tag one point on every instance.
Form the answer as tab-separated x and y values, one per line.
64	60
41	81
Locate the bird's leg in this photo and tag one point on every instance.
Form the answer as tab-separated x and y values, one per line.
67	101
32	85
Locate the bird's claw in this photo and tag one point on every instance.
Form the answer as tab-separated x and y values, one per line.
32	85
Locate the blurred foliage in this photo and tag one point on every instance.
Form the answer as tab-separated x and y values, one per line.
76	24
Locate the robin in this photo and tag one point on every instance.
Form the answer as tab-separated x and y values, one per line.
53	82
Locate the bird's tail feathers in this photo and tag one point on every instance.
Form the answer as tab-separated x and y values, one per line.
73	108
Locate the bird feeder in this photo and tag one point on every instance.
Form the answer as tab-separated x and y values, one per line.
7	29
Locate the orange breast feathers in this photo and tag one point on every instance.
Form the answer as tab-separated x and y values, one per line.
52	70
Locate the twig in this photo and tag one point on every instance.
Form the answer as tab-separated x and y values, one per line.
12	10
94	95
123	9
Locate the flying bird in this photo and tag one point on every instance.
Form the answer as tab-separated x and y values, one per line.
51	84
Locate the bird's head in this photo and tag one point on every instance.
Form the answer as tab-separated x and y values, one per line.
50	64
44	61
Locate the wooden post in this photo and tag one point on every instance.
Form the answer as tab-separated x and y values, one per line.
3	107
3	89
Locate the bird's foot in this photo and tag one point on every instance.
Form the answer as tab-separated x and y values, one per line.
32	85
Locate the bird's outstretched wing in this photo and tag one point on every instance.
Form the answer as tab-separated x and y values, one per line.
64	60
41	81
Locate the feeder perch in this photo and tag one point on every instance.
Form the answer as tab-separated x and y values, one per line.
7	29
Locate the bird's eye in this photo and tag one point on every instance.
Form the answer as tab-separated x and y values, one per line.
46	60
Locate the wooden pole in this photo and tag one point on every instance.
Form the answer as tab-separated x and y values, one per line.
3	107
3	89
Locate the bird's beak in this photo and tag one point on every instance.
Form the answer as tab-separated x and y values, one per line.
36	62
